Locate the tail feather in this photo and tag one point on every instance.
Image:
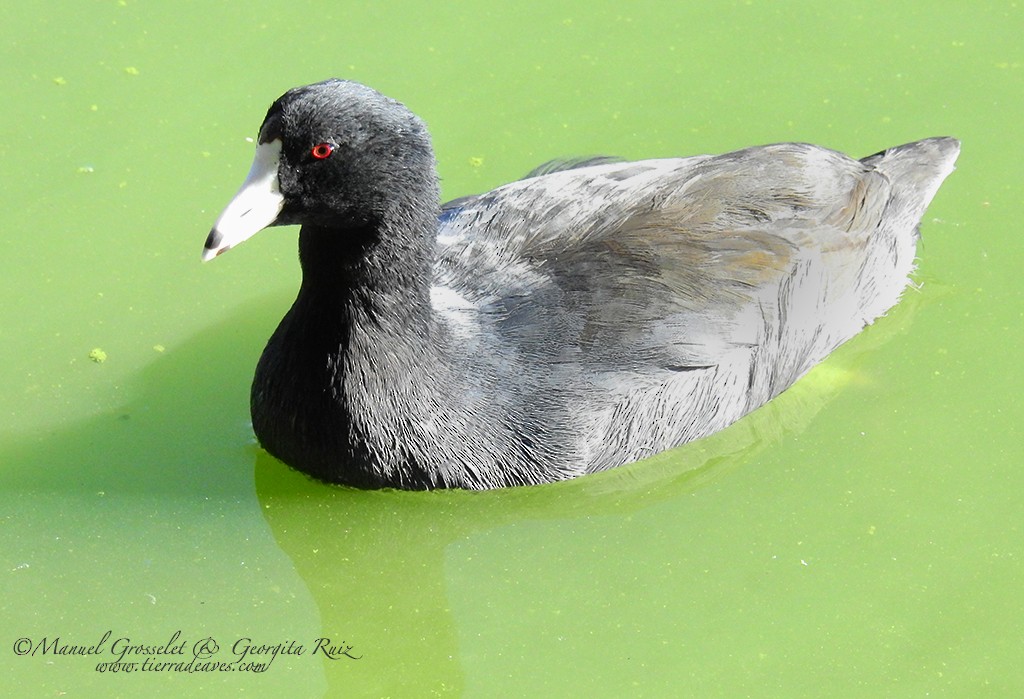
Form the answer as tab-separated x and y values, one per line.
915	171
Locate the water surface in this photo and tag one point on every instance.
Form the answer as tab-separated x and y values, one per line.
859	537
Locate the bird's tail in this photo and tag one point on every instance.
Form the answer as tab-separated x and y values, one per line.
915	171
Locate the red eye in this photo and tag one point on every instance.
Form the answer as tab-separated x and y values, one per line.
322	150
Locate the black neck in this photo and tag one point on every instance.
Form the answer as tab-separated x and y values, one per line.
364	306
369	269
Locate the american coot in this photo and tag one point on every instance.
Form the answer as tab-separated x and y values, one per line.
591	314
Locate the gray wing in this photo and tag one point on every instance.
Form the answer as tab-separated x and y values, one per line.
556	165
675	295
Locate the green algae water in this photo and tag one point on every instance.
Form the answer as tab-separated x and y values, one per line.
858	537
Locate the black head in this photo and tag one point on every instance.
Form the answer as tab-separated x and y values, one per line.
333	155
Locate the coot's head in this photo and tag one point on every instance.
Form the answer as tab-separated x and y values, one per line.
336	155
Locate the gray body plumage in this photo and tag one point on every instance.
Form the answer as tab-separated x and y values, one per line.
585	317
